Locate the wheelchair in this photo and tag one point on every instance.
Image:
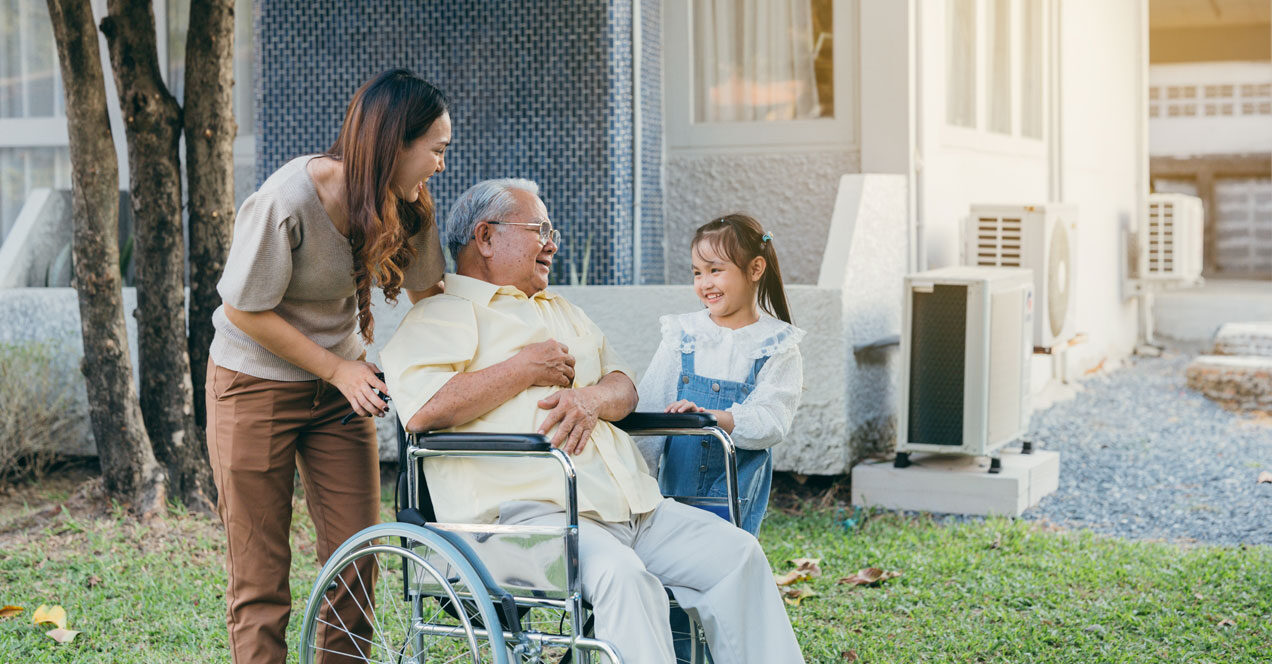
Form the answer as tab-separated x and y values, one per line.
426	591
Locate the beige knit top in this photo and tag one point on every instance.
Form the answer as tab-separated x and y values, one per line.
287	256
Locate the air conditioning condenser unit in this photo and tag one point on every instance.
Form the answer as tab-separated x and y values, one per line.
1171	242
1042	238
966	342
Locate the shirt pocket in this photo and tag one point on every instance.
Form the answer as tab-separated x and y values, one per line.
586	350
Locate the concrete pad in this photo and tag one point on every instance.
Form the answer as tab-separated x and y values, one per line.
1244	339
958	484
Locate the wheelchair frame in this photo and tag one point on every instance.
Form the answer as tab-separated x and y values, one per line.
416	510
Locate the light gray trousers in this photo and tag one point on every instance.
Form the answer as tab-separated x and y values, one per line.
717	572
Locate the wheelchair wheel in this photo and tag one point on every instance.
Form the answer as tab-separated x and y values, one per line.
381	598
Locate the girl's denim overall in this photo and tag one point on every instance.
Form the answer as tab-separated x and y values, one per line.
694	465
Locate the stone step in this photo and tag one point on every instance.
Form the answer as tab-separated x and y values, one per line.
1240	382
1244	339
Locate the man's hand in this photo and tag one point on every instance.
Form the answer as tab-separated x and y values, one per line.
548	363
576	412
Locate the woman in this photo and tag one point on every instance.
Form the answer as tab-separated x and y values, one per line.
286	364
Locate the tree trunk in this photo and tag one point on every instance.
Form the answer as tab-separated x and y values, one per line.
129	469
152	124
209	134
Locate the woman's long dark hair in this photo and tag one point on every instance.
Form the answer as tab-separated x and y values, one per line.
739	238
385	115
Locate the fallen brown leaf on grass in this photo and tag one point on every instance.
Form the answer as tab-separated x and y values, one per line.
794	596
849	655
1227	622
8	611
1265	477
805	568
62	635
869	577
53	615
93	581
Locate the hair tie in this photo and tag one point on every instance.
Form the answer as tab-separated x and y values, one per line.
767	237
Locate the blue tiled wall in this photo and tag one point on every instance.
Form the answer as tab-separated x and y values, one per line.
539	88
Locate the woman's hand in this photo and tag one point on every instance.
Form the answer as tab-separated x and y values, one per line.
684	406
548	363
358	382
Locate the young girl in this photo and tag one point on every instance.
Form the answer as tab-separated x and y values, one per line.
737	359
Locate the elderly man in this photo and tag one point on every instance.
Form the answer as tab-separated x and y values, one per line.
498	352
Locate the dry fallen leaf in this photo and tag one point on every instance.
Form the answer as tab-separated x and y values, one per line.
869	576
8	611
849	655
794	596
62	635
1265	476
1227	622
93	581
54	615
805	568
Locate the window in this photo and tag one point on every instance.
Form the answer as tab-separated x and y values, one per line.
33	137
961	63
781	66
998	74
995	66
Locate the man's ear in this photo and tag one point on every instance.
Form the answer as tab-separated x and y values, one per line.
757	267
483	239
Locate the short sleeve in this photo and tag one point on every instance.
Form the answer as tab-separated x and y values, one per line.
258	268
428	266
436	340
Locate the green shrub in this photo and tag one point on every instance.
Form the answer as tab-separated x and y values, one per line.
35	410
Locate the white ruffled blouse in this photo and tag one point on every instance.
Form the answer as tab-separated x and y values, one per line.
764	418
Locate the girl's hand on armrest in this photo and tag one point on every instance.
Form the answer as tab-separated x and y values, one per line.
684	406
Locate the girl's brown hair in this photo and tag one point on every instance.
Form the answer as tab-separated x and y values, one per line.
739	238
385	115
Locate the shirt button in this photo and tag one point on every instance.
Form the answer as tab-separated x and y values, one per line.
706	444
702	468
684	379
715	387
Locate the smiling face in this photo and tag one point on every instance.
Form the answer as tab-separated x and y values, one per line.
518	259
422	159
725	289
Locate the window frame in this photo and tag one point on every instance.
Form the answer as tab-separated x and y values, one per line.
683	134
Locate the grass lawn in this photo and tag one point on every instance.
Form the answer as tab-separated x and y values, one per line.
998	591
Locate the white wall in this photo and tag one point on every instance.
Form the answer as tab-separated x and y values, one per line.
1092	156
1202	134
792	194
1103	161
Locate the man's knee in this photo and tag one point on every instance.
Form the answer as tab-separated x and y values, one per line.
617	576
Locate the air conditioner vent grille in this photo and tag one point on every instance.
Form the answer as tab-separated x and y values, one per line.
998	241
1161	238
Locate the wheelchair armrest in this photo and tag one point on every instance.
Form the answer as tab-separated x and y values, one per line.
642	421
483	442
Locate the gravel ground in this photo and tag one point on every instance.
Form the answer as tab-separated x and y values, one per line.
1144	457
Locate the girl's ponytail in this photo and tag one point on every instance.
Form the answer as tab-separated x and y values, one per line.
772	293
740	239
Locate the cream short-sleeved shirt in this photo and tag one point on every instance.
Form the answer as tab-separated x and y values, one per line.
475	325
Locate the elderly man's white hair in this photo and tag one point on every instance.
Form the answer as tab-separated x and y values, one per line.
488	200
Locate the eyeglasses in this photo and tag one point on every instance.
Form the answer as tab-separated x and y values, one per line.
544	228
